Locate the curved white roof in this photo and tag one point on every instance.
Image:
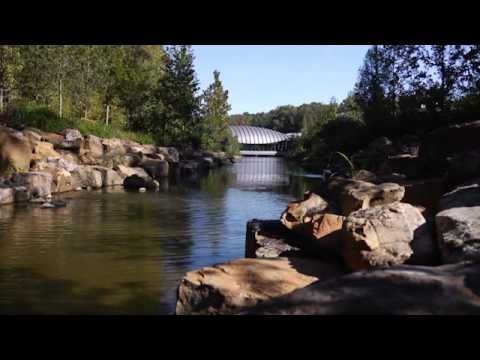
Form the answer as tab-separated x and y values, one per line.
256	135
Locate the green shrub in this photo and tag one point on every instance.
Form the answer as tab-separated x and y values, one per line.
41	117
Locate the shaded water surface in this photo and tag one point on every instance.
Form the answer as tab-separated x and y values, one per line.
115	252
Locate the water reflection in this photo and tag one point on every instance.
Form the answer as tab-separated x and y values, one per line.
113	252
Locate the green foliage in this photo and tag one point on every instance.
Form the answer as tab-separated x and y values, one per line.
415	88
213	129
290	119
348	161
43	118
177	117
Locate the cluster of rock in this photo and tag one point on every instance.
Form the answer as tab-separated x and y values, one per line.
35	164
367	245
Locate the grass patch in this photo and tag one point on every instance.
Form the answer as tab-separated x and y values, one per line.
45	119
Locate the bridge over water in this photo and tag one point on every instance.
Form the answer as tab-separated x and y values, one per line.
258	141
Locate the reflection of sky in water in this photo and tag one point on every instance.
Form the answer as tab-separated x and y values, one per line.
116	252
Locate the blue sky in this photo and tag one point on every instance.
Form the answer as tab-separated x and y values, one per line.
262	77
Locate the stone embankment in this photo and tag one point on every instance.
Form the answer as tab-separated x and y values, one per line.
35	164
404	239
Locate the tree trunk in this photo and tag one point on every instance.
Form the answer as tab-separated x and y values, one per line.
1	100
107	115
60	110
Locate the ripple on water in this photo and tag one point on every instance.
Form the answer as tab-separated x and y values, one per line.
123	252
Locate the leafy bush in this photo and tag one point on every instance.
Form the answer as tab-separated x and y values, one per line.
30	115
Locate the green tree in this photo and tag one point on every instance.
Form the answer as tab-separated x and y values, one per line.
35	78
139	77
9	68
214	110
179	116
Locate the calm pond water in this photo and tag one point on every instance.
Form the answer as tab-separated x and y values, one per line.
116	252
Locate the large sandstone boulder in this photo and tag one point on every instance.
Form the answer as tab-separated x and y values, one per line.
303	211
156	169
310	219
43	150
7	195
55	139
143	149
15	152
87	176
130	160
61	163
62	179
109	177
240	284
352	195
39	184
170	153
458	224
92	146
113	147
401	290
73	140
380	236
69	156
125	171
32	135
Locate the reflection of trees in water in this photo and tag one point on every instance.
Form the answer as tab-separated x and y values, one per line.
98	242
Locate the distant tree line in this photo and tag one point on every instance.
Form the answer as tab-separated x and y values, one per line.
414	88
401	89
144	88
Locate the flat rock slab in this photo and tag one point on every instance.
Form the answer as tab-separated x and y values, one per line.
458	224
352	195
234	286
402	290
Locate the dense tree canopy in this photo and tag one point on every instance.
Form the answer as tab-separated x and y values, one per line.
144	88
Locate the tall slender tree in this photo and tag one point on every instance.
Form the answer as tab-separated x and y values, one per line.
181	104
9	68
215	109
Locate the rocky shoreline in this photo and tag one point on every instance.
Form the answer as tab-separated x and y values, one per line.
34	165
403	238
